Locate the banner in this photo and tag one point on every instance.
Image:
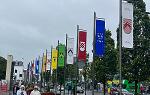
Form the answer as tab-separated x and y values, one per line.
70	50
127	25
61	55
48	64
99	38
44	63
36	67
40	64
33	67
54	59
82	46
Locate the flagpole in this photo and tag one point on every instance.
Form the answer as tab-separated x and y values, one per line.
120	46
93	53
77	61
43	73
51	65
45	64
57	64
65	63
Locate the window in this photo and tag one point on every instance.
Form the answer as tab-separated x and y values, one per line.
15	71
20	75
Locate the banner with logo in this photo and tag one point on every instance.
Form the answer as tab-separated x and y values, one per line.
100	35
70	50
44	63
82	46
33	67
36	67
127	25
61	55
40	64
54	59
48	64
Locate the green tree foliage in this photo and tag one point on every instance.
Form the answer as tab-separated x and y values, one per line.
106	66
60	75
71	71
136	61
3	63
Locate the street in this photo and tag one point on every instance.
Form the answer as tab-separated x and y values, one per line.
87	93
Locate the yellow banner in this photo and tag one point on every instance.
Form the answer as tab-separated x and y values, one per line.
54	58
44	63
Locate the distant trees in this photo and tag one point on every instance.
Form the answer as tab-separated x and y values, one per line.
3	63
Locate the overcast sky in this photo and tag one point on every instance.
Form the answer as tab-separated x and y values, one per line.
29	27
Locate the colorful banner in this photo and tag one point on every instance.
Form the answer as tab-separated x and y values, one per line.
40	64
82	46
28	71
61	55
54	59
48	64
127	25
70	50
36	67
99	38
44	63
33	67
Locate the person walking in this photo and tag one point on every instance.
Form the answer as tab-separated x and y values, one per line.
15	89
21	91
35	91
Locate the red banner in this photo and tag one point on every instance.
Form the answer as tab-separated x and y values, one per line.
82	46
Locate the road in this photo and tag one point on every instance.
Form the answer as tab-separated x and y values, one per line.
87	93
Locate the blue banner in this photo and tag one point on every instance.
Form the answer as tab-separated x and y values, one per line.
37	66
100	38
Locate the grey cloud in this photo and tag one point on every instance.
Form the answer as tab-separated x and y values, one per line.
28	27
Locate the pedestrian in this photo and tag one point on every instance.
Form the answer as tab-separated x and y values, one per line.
35	91
29	89
15	89
21	91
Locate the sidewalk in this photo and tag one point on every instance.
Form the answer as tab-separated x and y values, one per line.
6	93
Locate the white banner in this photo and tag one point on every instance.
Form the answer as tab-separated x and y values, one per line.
127	25
48	66
40	64
70	50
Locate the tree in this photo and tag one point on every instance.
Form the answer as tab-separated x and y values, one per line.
3	63
136	61
106	66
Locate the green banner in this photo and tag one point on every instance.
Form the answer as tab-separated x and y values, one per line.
61	55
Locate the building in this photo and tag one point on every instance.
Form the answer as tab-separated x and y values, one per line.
25	73
18	72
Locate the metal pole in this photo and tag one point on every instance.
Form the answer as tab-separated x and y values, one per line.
57	67
120	46
76	61
65	63
93	54
45	64
85	76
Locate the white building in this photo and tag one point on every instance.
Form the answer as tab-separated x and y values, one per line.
18	71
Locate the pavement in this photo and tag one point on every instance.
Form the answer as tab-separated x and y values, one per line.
6	93
87	93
